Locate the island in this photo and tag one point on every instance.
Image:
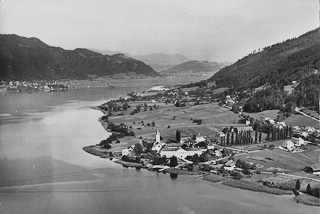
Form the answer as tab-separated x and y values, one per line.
196	130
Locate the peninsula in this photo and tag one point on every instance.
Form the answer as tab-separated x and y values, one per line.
185	130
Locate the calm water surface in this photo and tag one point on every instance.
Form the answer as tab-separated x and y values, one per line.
43	168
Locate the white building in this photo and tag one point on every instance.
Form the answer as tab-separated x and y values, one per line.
200	138
298	141
210	146
179	152
157	147
288	145
128	151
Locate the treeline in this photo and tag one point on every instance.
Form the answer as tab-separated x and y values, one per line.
306	93
272	97
121	129
200	84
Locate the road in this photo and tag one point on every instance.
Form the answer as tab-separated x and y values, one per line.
304	114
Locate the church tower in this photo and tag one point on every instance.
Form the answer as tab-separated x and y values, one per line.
157	136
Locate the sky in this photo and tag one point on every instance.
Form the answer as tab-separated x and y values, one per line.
214	30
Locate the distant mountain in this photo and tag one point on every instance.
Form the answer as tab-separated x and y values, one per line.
107	52
281	63
194	67
157	61
160	62
29	59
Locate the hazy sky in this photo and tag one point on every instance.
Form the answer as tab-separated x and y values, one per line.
217	30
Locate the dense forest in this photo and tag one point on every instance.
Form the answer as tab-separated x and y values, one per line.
257	81
306	93
30	59
281	63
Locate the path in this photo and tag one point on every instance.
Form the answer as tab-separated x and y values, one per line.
304	114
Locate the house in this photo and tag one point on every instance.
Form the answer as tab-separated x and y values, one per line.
281	125
288	145
200	138
179	152
314	169
128	151
173	145
157	147
210	146
218	153
244	129
221	134
298	141
230	165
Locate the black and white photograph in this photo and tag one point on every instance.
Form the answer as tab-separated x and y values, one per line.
159	106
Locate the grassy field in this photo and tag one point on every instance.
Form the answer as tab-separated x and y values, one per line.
252	186
300	120
268	113
214	117
213	178
307	200
181	171
276	158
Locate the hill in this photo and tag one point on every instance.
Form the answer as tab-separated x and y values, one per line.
160	62
194	67
157	61
281	63
30	59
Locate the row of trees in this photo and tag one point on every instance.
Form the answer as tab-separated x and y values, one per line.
279	134
238	138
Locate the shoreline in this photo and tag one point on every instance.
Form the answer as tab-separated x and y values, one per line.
250	185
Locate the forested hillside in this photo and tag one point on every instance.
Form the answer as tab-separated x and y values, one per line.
30	59
195	66
281	63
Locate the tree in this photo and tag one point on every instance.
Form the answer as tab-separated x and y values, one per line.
309	190
178	136
190	167
138	148
237	176
195	158
107	146
173	161
118	141
297	187
184	146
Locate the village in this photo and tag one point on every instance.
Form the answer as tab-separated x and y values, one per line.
34	86
180	131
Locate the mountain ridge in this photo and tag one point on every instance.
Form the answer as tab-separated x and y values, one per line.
280	63
195	66
23	58
158	61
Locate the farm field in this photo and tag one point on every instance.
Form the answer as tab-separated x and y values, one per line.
300	120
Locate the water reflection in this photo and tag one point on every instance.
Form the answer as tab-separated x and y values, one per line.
173	176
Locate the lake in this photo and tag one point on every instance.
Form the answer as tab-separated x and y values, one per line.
43	168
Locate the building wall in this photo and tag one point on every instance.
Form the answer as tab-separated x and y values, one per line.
180	153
